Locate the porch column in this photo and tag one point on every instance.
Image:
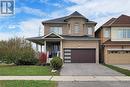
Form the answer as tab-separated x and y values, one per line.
61	49
45	47
41	48
37	53
37	47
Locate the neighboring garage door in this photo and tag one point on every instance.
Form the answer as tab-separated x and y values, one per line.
80	55
118	56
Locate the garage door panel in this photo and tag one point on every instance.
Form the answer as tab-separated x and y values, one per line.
83	56
117	57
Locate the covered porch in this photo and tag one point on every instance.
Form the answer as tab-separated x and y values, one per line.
50	44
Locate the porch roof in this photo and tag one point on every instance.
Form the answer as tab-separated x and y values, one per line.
40	40
84	37
49	37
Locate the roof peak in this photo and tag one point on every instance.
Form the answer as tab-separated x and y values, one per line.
76	13
124	15
122	20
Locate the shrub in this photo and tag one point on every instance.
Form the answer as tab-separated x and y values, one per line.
17	51
56	63
26	62
42	58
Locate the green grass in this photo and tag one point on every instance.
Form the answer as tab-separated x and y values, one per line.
25	71
31	83
118	69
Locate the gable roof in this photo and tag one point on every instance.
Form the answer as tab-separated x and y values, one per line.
109	22
63	19
52	35
121	21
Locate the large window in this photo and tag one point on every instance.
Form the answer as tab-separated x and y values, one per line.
123	33
76	28
90	31
120	34
57	30
106	33
128	33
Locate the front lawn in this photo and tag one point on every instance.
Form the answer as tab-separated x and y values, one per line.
118	69
31	83
26	71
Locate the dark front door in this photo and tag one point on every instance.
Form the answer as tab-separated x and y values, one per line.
83	56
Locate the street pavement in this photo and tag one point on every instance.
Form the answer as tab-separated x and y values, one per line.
95	84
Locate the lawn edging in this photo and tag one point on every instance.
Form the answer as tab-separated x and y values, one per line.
118	69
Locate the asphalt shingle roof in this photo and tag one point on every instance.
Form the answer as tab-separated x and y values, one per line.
65	37
122	20
76	14
84	37
109	22
63	19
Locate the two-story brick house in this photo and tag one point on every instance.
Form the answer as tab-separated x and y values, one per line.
71	37
115	40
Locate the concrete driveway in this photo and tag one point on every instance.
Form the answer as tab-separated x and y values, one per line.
88	69
124	66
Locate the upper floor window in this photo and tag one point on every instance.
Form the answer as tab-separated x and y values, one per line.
106	33
123	33
57	30
120	34
128	33
76	28
90	30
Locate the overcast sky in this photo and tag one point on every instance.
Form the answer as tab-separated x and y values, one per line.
30	13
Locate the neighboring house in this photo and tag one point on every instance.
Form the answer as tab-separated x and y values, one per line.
71	37
115	40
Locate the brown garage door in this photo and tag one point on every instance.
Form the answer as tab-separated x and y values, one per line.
83	56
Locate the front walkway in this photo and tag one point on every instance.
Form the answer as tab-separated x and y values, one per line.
87	69
68	78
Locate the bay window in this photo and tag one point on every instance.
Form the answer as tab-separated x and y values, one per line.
76	28
90	31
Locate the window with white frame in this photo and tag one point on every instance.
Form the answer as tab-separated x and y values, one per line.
90	31
106	33
128	33
123	33
76	28
120	34
57	30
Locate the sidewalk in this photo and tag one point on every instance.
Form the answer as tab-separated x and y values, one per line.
68	78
